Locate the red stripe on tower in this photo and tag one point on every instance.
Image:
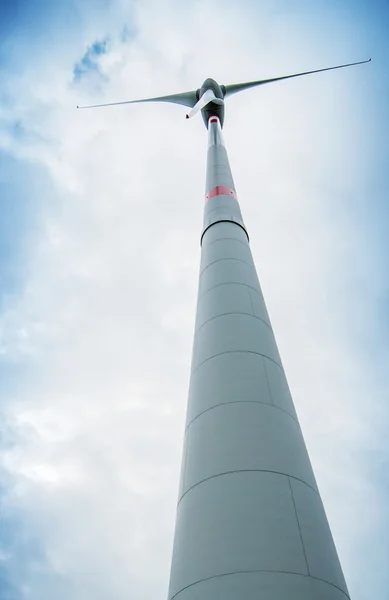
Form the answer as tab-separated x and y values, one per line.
221	190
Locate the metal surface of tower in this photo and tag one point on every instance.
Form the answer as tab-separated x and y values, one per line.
250	521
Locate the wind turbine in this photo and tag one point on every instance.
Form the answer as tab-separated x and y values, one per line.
250	521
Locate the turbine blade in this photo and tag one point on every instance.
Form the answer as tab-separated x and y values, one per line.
186	99
239	87
205	99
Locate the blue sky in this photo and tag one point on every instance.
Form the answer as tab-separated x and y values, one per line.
92	403
89	62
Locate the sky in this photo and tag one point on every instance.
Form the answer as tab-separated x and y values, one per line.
101	214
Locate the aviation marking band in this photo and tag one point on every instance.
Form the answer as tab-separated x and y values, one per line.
219	190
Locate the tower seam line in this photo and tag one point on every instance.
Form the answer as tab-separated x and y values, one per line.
229	283
245	243
227	258
185	456
223	221
268	382
241	402
220	207
252	305
247	471
234	313
298	524
237	352
260	571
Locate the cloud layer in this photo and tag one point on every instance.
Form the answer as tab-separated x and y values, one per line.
96	329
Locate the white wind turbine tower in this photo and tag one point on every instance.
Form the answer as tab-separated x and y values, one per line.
250	521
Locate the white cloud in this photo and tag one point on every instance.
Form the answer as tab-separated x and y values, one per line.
105	319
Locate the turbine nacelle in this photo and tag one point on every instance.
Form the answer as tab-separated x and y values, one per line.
216	107
209	99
